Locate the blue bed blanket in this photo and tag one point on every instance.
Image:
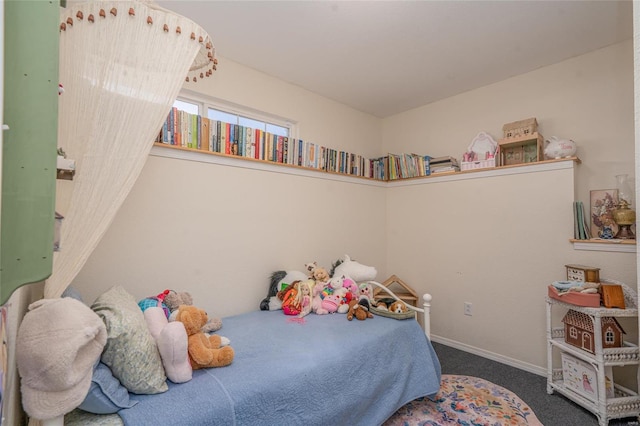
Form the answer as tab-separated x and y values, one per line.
325	370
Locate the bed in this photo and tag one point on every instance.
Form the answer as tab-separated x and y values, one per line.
322	370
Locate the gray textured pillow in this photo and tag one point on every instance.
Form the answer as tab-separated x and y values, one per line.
131	352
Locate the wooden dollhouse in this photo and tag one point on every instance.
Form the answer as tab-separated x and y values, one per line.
400	288
579	332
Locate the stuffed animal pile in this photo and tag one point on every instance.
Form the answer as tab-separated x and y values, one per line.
316	290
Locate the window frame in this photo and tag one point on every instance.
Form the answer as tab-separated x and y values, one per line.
205	102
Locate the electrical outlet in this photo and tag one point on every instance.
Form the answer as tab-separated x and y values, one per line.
467	308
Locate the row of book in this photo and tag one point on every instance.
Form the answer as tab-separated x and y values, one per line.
196	132
581	229
403	166
201	133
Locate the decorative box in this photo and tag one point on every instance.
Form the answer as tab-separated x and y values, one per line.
481	154
580	377
612	296
583	273
525	127
590	300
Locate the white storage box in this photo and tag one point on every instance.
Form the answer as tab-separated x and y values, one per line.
580	377
481	164
481	154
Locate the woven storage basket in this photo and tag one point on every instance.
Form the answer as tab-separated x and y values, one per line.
402	316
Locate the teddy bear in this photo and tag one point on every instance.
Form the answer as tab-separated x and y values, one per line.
173	300
317	273
204	351
358	311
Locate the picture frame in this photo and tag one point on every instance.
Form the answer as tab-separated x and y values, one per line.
602	204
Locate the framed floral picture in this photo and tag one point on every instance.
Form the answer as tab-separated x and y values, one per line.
603	202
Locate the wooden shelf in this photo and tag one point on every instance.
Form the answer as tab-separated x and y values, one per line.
190	154
624	246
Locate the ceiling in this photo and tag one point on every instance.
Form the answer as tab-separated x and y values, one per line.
386	57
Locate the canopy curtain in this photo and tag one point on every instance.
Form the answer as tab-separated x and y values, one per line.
122	64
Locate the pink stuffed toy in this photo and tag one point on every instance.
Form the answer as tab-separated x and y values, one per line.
331	303
316	303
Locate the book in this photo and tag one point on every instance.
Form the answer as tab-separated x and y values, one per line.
445	159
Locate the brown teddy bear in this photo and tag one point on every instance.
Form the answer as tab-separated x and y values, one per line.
357	310
204	351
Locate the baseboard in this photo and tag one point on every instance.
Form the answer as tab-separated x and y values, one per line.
491	355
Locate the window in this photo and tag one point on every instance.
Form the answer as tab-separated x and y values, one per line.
609	337
573	332
189	107
234	114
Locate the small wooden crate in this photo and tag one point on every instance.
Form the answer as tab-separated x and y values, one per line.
521	149
520	128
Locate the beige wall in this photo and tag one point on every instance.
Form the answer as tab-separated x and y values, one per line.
219	231
588	99
318	119
498	242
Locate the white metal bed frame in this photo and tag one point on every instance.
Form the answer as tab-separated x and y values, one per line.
425	310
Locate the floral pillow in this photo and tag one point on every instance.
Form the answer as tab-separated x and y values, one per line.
131	352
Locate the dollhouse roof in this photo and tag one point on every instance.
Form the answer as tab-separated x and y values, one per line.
584	321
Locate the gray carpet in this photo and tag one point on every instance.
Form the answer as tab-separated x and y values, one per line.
551	410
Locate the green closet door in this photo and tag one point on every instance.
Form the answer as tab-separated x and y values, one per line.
30	110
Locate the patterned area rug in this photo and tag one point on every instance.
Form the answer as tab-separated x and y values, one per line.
468	401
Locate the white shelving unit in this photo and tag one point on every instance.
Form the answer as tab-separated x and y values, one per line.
625	402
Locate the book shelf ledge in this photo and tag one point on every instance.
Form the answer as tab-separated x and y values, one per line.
622	246
190	154
516	169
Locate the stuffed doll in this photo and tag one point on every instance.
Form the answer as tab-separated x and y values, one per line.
204	351
279	280
305	290
290	300
173	300
358	311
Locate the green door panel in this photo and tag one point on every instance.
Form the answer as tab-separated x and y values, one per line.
30	109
